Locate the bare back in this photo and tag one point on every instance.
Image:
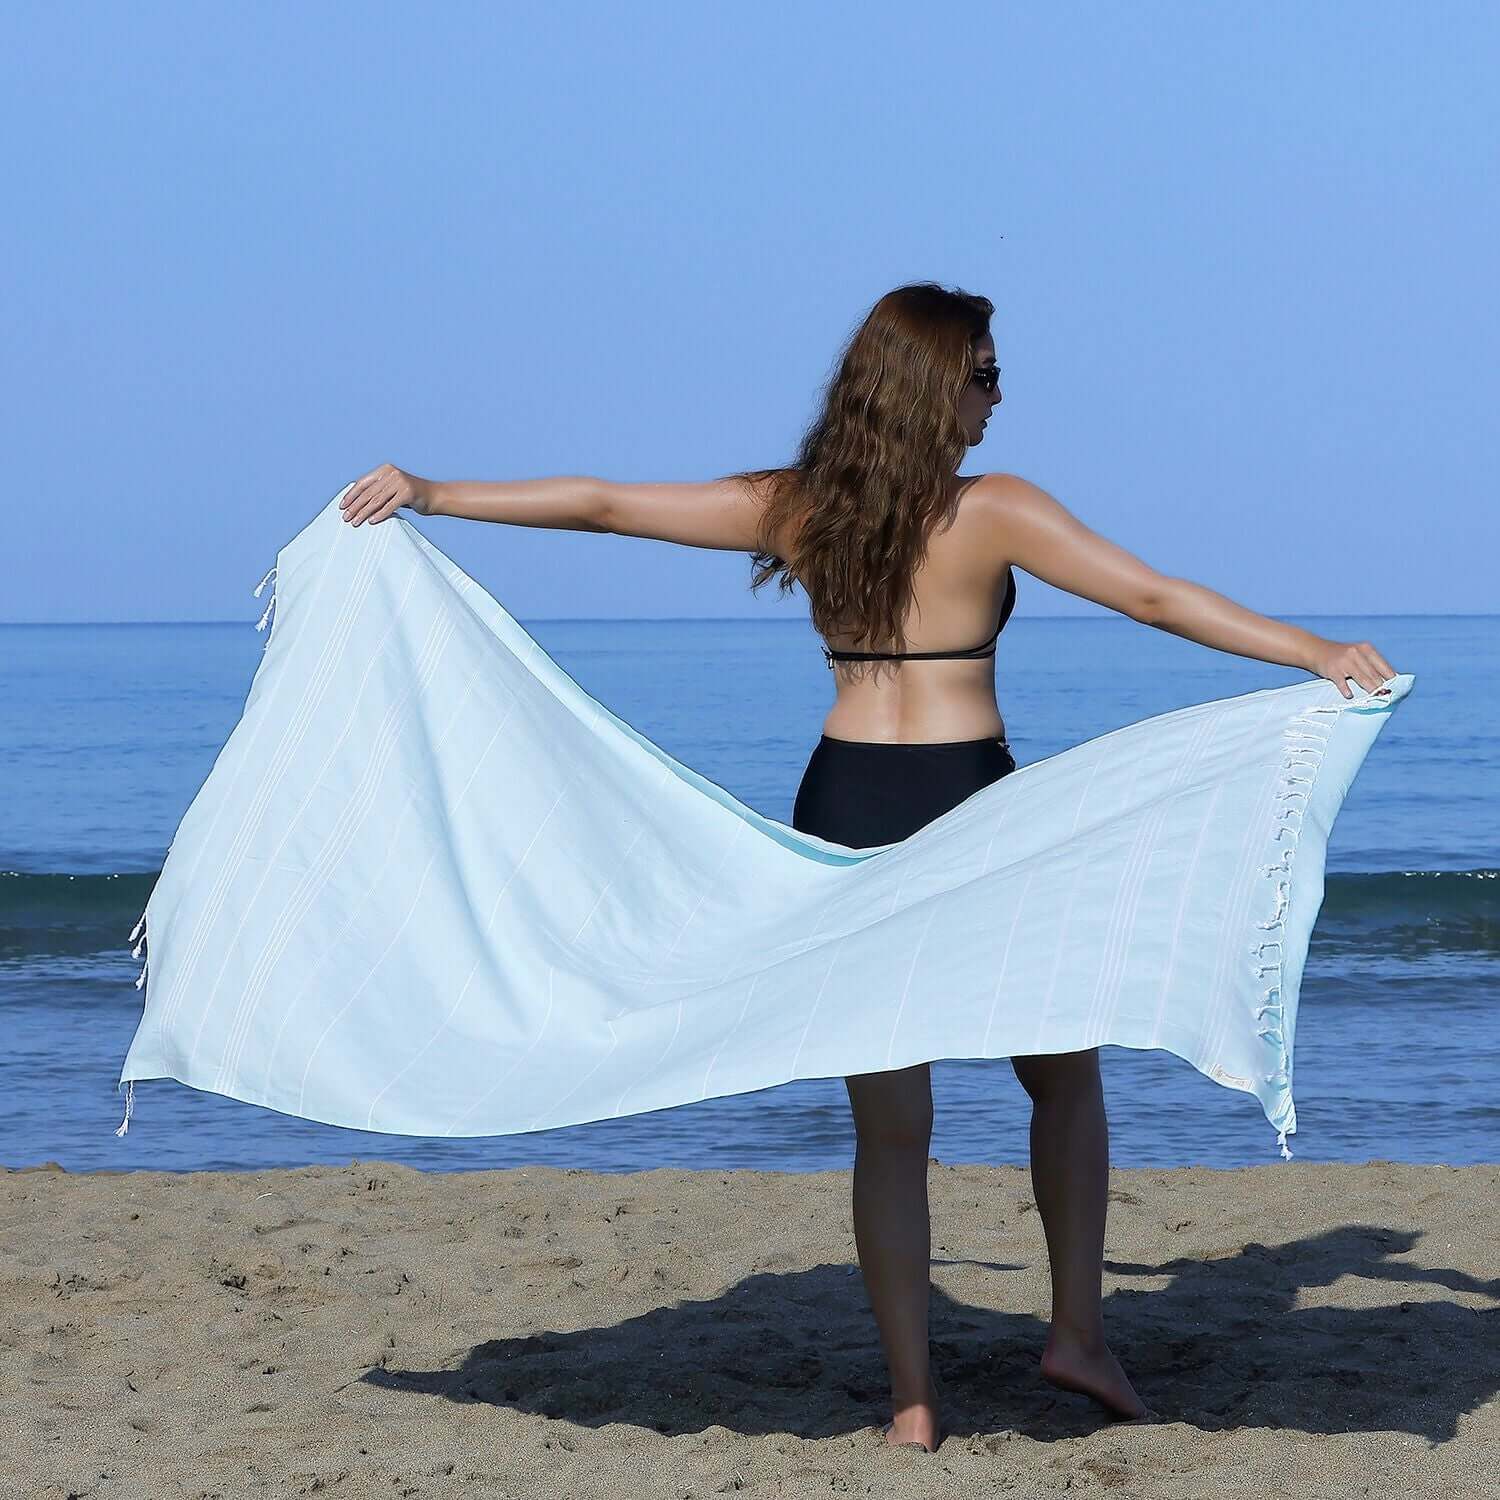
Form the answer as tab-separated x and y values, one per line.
958	591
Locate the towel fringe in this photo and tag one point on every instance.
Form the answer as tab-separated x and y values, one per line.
135	952
271	603
1305	743
138	931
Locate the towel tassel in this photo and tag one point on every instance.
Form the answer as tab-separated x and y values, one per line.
138	931
1306	739
271	603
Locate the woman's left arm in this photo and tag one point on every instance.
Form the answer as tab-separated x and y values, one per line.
720	513
568	503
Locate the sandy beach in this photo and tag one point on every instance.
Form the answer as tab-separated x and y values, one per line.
1301	1330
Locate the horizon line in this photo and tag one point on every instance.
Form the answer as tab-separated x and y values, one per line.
772	620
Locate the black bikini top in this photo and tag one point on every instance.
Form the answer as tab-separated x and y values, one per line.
985	648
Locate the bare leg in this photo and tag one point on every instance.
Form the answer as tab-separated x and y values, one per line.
1070	1177
893	1123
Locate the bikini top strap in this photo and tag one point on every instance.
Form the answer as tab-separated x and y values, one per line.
985	648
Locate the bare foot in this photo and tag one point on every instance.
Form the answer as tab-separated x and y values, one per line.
917	1425
1087	1366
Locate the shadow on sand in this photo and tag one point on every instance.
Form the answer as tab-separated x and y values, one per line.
1223	1344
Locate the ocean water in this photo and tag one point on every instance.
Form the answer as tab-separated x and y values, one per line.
107	732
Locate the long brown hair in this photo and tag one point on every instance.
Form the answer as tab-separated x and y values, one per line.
874	470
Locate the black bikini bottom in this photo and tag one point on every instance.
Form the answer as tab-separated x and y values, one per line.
862	792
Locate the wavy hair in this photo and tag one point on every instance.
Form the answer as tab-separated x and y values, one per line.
874	470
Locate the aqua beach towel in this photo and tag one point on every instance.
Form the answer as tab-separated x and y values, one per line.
432	887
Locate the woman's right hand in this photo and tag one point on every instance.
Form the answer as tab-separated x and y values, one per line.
1337	660
380	493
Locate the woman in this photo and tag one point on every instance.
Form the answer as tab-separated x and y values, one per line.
876	525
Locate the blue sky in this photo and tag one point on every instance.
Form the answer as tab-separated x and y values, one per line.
1242	260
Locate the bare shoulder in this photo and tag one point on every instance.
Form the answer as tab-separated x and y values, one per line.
1017	516
1021	524
998	507
999	496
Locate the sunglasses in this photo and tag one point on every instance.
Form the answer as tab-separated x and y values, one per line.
988	376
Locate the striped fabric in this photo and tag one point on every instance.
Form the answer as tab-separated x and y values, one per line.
432	887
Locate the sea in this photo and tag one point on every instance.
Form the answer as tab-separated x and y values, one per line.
108	731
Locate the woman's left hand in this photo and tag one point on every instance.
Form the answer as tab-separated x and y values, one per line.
380	493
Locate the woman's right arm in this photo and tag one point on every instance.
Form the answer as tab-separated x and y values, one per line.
1037	533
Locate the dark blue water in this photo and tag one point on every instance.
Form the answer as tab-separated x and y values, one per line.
108	732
